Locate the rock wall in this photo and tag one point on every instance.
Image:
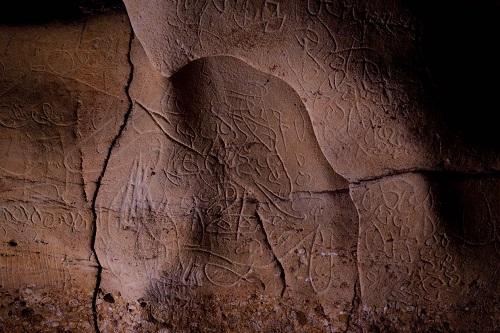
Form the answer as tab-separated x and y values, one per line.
62	100
248	166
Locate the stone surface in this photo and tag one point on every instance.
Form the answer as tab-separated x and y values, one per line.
62	100
356	65
228	206
434	238
249	166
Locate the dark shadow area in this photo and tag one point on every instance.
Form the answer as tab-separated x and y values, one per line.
459	48
469	217
40	12
467	208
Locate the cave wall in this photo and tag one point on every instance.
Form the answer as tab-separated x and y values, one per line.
62	103
252	166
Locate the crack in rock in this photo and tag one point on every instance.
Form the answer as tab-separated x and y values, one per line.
428	172
101	176
279	263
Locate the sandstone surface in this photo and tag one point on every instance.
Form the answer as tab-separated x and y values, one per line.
249	166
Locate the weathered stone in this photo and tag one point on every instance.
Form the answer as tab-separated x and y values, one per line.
227	197
428	248
62	99
249	166
356	66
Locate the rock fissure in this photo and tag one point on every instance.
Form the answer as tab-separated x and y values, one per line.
279	264
355	304
99	183
429	172
279	167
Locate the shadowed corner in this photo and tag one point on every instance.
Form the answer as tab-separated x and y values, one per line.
466	207
41	12
460	57
470	220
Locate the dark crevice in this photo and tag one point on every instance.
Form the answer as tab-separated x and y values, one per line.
338	191
430	173
355	304
353	317
281	268
101	176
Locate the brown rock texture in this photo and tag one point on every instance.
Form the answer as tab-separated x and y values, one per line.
62	100
249	166
433	237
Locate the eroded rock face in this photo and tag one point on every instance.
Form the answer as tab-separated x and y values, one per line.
250	166
62	100
356	65
228	208
434	238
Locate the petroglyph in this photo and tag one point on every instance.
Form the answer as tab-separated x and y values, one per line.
249	166
61	99
194	214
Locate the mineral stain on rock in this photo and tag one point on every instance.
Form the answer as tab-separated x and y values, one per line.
249	166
